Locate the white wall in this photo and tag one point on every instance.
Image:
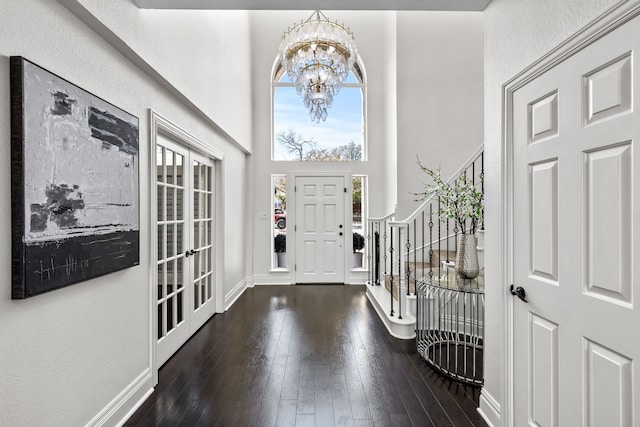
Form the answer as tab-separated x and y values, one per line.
390	105
516	34
424	76
440	96
201	52
65	356
267	28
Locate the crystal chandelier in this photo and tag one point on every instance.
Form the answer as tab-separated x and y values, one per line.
317	55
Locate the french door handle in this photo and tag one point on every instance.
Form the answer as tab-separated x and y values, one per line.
519	292
191	252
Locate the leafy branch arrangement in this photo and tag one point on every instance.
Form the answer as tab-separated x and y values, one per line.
459	200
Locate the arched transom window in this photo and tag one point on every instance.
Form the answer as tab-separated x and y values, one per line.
340	138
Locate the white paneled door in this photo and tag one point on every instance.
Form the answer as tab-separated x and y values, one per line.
320	229
576	239
185	273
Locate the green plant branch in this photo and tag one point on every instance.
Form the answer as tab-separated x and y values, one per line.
459	200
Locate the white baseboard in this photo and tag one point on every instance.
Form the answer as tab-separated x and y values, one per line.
234	294
357	277
274	278
250	282
126	402
380	300
489	409
136	406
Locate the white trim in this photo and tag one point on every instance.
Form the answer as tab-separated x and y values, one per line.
235	293
220	221
106	415
92	21
358	276
380	299
489	409
347	224
274	277
160	125
166	127
363	86
250	282
614	17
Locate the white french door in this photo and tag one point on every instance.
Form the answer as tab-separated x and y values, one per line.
185	273
320	230
576	239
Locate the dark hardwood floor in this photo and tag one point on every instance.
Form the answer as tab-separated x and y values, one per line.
306	355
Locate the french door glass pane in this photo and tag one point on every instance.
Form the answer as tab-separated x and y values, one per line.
179	204
179	304
179	169
171	200
161	331
170	163
161	189
160	281
160	164
161	241
170	277
170	324
180	236
196	266
179	281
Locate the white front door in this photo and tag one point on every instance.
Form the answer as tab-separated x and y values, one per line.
320	230
576	239
184	227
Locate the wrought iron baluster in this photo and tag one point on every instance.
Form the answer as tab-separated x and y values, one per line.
423	247
370	253
415	260
399	273
431	241
384	245
391	275
482	184
406	263
376	260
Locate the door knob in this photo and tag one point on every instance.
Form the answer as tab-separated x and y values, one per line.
340	233
340	226
520	293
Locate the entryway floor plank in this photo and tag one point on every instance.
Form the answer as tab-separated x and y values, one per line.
312	355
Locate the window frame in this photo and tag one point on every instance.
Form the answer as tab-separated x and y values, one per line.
358	72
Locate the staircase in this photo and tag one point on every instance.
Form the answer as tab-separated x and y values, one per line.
418	249
419	270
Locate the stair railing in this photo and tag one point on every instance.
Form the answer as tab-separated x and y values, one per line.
420	247
430	242
378	241
449	318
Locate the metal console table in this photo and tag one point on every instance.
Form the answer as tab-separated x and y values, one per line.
450	325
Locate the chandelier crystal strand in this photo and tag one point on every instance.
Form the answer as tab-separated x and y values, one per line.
317	55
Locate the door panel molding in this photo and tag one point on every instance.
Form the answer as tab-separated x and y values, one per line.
610	20
342	270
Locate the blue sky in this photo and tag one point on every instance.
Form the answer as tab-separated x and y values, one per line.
343	124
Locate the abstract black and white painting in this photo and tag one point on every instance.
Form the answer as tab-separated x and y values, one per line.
74	173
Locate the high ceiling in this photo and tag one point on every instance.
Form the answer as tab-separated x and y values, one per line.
471	5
